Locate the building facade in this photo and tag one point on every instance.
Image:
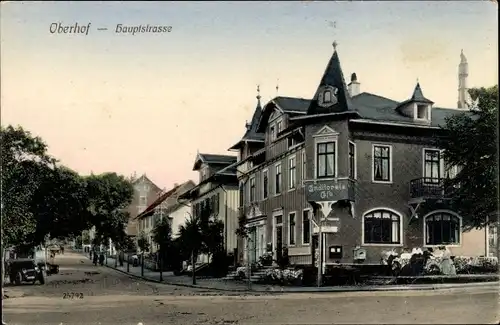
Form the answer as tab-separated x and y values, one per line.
167	205
145	193
217	191
362	166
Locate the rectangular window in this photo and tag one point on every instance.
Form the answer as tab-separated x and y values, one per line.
292	175
304	166
277	182
272	133
265	183
432	165
291	230
143	200
252	189
306	227
292	142
325	163
352	160
216	204
422	111
279	128
381	163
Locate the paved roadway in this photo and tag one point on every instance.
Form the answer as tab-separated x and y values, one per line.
110	297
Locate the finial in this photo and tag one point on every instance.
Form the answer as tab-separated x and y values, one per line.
335	45
277	85
258	92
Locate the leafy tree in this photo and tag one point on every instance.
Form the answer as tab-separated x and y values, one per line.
162	236
470	143
24	159
85	237
60	204
142	242
109	195
191	239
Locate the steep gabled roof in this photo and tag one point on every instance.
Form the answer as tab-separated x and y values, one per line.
251	134
212	159
416	97
333	78
174	192
225	176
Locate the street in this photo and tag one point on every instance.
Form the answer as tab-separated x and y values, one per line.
112	297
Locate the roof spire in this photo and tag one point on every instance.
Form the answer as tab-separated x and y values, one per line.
277	86
258	95
332	93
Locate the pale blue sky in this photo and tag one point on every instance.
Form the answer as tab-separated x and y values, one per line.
124	103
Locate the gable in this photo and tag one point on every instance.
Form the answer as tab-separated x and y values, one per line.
326	131
274	115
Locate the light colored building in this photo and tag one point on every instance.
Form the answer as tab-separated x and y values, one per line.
167	205
217	191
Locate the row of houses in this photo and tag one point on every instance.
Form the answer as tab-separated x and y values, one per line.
360	165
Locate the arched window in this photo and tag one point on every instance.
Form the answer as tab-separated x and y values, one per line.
442	228
327	96
382	227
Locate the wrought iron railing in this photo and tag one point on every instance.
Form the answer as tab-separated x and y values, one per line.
430	187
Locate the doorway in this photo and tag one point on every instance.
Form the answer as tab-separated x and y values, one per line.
278	237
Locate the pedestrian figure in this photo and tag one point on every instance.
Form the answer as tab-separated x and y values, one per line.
62	250
95	258
90	254
101	259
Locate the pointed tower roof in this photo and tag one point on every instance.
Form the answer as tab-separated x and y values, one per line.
418	95
251	133
331	95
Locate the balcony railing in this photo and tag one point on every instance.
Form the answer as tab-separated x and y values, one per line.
430	188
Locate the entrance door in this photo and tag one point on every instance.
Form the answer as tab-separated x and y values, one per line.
279	242
253	245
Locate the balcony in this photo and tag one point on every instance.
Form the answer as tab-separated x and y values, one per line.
425	188
337	189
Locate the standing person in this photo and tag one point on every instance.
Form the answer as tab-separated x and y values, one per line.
101	258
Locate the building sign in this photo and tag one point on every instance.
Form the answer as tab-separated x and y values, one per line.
326	229
329	190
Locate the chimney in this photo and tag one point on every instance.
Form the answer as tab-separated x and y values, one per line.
354	86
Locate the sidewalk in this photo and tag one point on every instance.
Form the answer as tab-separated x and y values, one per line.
233	286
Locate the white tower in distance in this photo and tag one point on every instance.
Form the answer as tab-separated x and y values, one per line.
463	73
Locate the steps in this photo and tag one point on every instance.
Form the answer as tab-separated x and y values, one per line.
254	277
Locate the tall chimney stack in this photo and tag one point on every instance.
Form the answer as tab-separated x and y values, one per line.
354	87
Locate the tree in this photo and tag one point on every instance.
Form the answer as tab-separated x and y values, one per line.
60	204
142	242
470	143
24	159
191	239
109	195
162	236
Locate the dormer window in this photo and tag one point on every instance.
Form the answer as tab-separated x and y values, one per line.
422	112
272	133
